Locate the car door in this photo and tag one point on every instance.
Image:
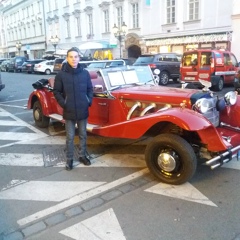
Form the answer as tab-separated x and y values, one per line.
235	65
229	69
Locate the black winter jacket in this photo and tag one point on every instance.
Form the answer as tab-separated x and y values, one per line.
73	91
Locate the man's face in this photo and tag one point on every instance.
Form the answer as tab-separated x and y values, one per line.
73	59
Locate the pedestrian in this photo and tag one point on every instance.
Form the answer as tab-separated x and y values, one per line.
73	91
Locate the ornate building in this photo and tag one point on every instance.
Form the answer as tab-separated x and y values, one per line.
52	26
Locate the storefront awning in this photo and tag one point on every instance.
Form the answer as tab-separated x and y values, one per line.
94	45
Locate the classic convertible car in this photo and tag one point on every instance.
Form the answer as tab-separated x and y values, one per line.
186	124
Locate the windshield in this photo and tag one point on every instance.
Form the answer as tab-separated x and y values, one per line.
190	59
145	59
126	75
97	65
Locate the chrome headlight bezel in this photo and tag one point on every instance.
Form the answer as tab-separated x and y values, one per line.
230	98
203	105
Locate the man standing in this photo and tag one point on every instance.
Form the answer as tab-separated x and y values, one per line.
73	91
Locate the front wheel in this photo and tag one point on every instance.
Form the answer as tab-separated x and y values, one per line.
163	78
40	120
171	159
219	86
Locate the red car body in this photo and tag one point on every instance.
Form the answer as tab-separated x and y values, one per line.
184	129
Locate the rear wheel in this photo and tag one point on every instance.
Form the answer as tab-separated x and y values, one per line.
163	78
40	120
219	86
47	71
171	159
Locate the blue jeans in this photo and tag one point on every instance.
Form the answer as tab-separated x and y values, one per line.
70	134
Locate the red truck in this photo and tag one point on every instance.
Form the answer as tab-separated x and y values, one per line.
215	66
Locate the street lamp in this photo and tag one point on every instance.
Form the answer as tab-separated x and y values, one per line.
18	46
119	33
54	40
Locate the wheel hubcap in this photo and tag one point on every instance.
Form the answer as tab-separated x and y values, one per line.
37	115
166	162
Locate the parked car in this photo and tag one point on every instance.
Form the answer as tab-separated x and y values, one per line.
98	64
2	86
215	66
1	60
15	64
44	67
4	66
168	65
57	64
185	125
28	66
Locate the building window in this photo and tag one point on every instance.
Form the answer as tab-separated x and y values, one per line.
49	5
135	13
119	16
56	4
171	11
90	25
106	20
68	28
39	7
193	9
41	29
78	26
32	10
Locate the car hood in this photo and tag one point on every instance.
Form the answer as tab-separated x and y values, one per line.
158	94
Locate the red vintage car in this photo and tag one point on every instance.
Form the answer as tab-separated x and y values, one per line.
186	124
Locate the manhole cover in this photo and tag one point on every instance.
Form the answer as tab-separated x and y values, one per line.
57	156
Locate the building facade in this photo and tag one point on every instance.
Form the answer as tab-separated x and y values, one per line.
53	26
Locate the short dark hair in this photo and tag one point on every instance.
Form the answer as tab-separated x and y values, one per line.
74	49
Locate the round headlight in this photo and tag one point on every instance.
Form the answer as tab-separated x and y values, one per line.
230	98
202	105
156	71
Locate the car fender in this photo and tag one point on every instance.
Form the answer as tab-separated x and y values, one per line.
186	119
41	96
136	127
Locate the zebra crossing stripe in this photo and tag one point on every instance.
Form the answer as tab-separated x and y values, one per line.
104	225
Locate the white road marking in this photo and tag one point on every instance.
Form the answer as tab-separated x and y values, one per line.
185	191
104	225
16	136
55	191
18	100
81	197
19	136
15	106
23	160
119	160
107	160
13	183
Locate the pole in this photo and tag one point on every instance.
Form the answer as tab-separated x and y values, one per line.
120	47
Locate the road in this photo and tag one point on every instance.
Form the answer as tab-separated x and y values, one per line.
115	198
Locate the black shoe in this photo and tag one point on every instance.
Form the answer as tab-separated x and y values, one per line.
85	161
69	165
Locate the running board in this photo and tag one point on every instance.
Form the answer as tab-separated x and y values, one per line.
59	118
56	117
